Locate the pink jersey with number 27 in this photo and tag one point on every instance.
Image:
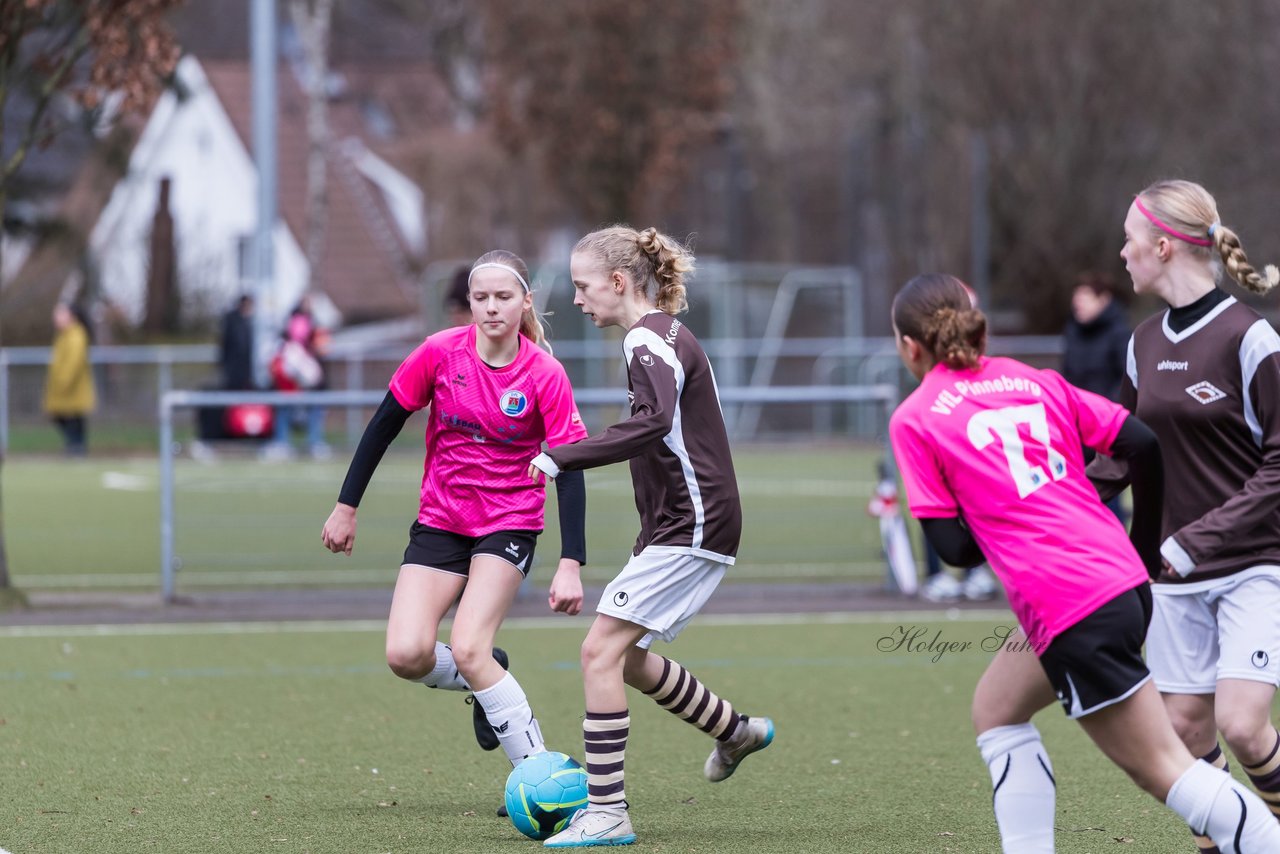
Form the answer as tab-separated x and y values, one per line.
1000	446
486	424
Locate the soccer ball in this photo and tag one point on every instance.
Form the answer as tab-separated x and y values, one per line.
544	792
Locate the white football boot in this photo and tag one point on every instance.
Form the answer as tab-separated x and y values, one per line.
752	735
595	826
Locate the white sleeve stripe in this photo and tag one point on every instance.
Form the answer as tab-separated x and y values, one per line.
1131	364
1259	342
675	439
658	347
1177	557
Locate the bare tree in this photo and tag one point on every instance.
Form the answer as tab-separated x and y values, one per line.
1083	106
312	18
612	95
109	56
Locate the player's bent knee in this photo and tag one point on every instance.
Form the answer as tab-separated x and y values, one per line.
469	655
410	661
1195	732
1250	737
597	657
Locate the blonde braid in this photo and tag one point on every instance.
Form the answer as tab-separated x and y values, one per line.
1237	263
672	261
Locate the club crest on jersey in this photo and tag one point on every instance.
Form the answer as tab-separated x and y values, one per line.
1205	392
513	402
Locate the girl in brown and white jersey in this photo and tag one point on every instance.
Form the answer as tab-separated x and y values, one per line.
1205	376
690	520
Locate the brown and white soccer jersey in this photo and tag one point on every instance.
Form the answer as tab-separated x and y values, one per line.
681	467
1211	393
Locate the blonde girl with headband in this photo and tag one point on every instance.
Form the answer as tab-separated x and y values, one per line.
495	397
1205	374
690	521
990	451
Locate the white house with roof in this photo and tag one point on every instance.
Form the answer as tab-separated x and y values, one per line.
189	140
192	141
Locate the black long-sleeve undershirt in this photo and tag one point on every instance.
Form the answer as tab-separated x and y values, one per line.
1136	445
386	424
571	500
381	431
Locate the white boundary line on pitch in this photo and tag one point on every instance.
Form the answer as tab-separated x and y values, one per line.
857	570
951	615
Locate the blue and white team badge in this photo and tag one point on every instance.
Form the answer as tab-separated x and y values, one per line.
513	402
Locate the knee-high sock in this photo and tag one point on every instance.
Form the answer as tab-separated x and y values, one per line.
1215	805
507	709
680	693
1265	777
605	736
1023	788
1217	759
445	674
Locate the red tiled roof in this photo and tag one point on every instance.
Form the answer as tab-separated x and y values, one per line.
367	270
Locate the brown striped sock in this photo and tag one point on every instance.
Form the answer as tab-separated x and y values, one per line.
681	694
1217	759
1265	777
605	736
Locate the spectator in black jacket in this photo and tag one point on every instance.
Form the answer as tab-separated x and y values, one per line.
1096	349
236	345
1097	337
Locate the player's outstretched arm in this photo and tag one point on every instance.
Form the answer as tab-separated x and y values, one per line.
565	596
339	532
1139	449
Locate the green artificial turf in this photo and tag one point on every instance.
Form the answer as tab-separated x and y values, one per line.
297	739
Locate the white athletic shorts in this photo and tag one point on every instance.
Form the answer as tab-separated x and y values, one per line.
1221	629
661	589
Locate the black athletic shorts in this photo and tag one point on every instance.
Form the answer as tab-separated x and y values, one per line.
1098	661
450	552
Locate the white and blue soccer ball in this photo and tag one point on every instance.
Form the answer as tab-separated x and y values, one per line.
544	793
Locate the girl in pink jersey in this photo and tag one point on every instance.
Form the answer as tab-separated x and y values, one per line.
990	452
690	521
495	397
1205	374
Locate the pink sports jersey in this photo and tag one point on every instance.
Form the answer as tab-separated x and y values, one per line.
1000	446
486	424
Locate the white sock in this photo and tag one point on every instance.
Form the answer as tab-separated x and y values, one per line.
445	674
507	709
1023	787
1216	806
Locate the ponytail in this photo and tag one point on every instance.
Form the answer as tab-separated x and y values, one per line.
531	327
1185	210
937	310
656	263
1237	263
671	263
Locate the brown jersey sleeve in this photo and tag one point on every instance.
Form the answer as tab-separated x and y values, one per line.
654	388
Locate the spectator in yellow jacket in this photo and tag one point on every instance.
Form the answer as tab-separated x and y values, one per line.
69	394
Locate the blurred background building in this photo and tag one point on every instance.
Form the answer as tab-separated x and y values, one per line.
997	139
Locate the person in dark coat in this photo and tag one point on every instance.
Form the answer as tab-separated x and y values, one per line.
1097	337
236	351
1096	347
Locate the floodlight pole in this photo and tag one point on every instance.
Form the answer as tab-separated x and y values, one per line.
263	54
